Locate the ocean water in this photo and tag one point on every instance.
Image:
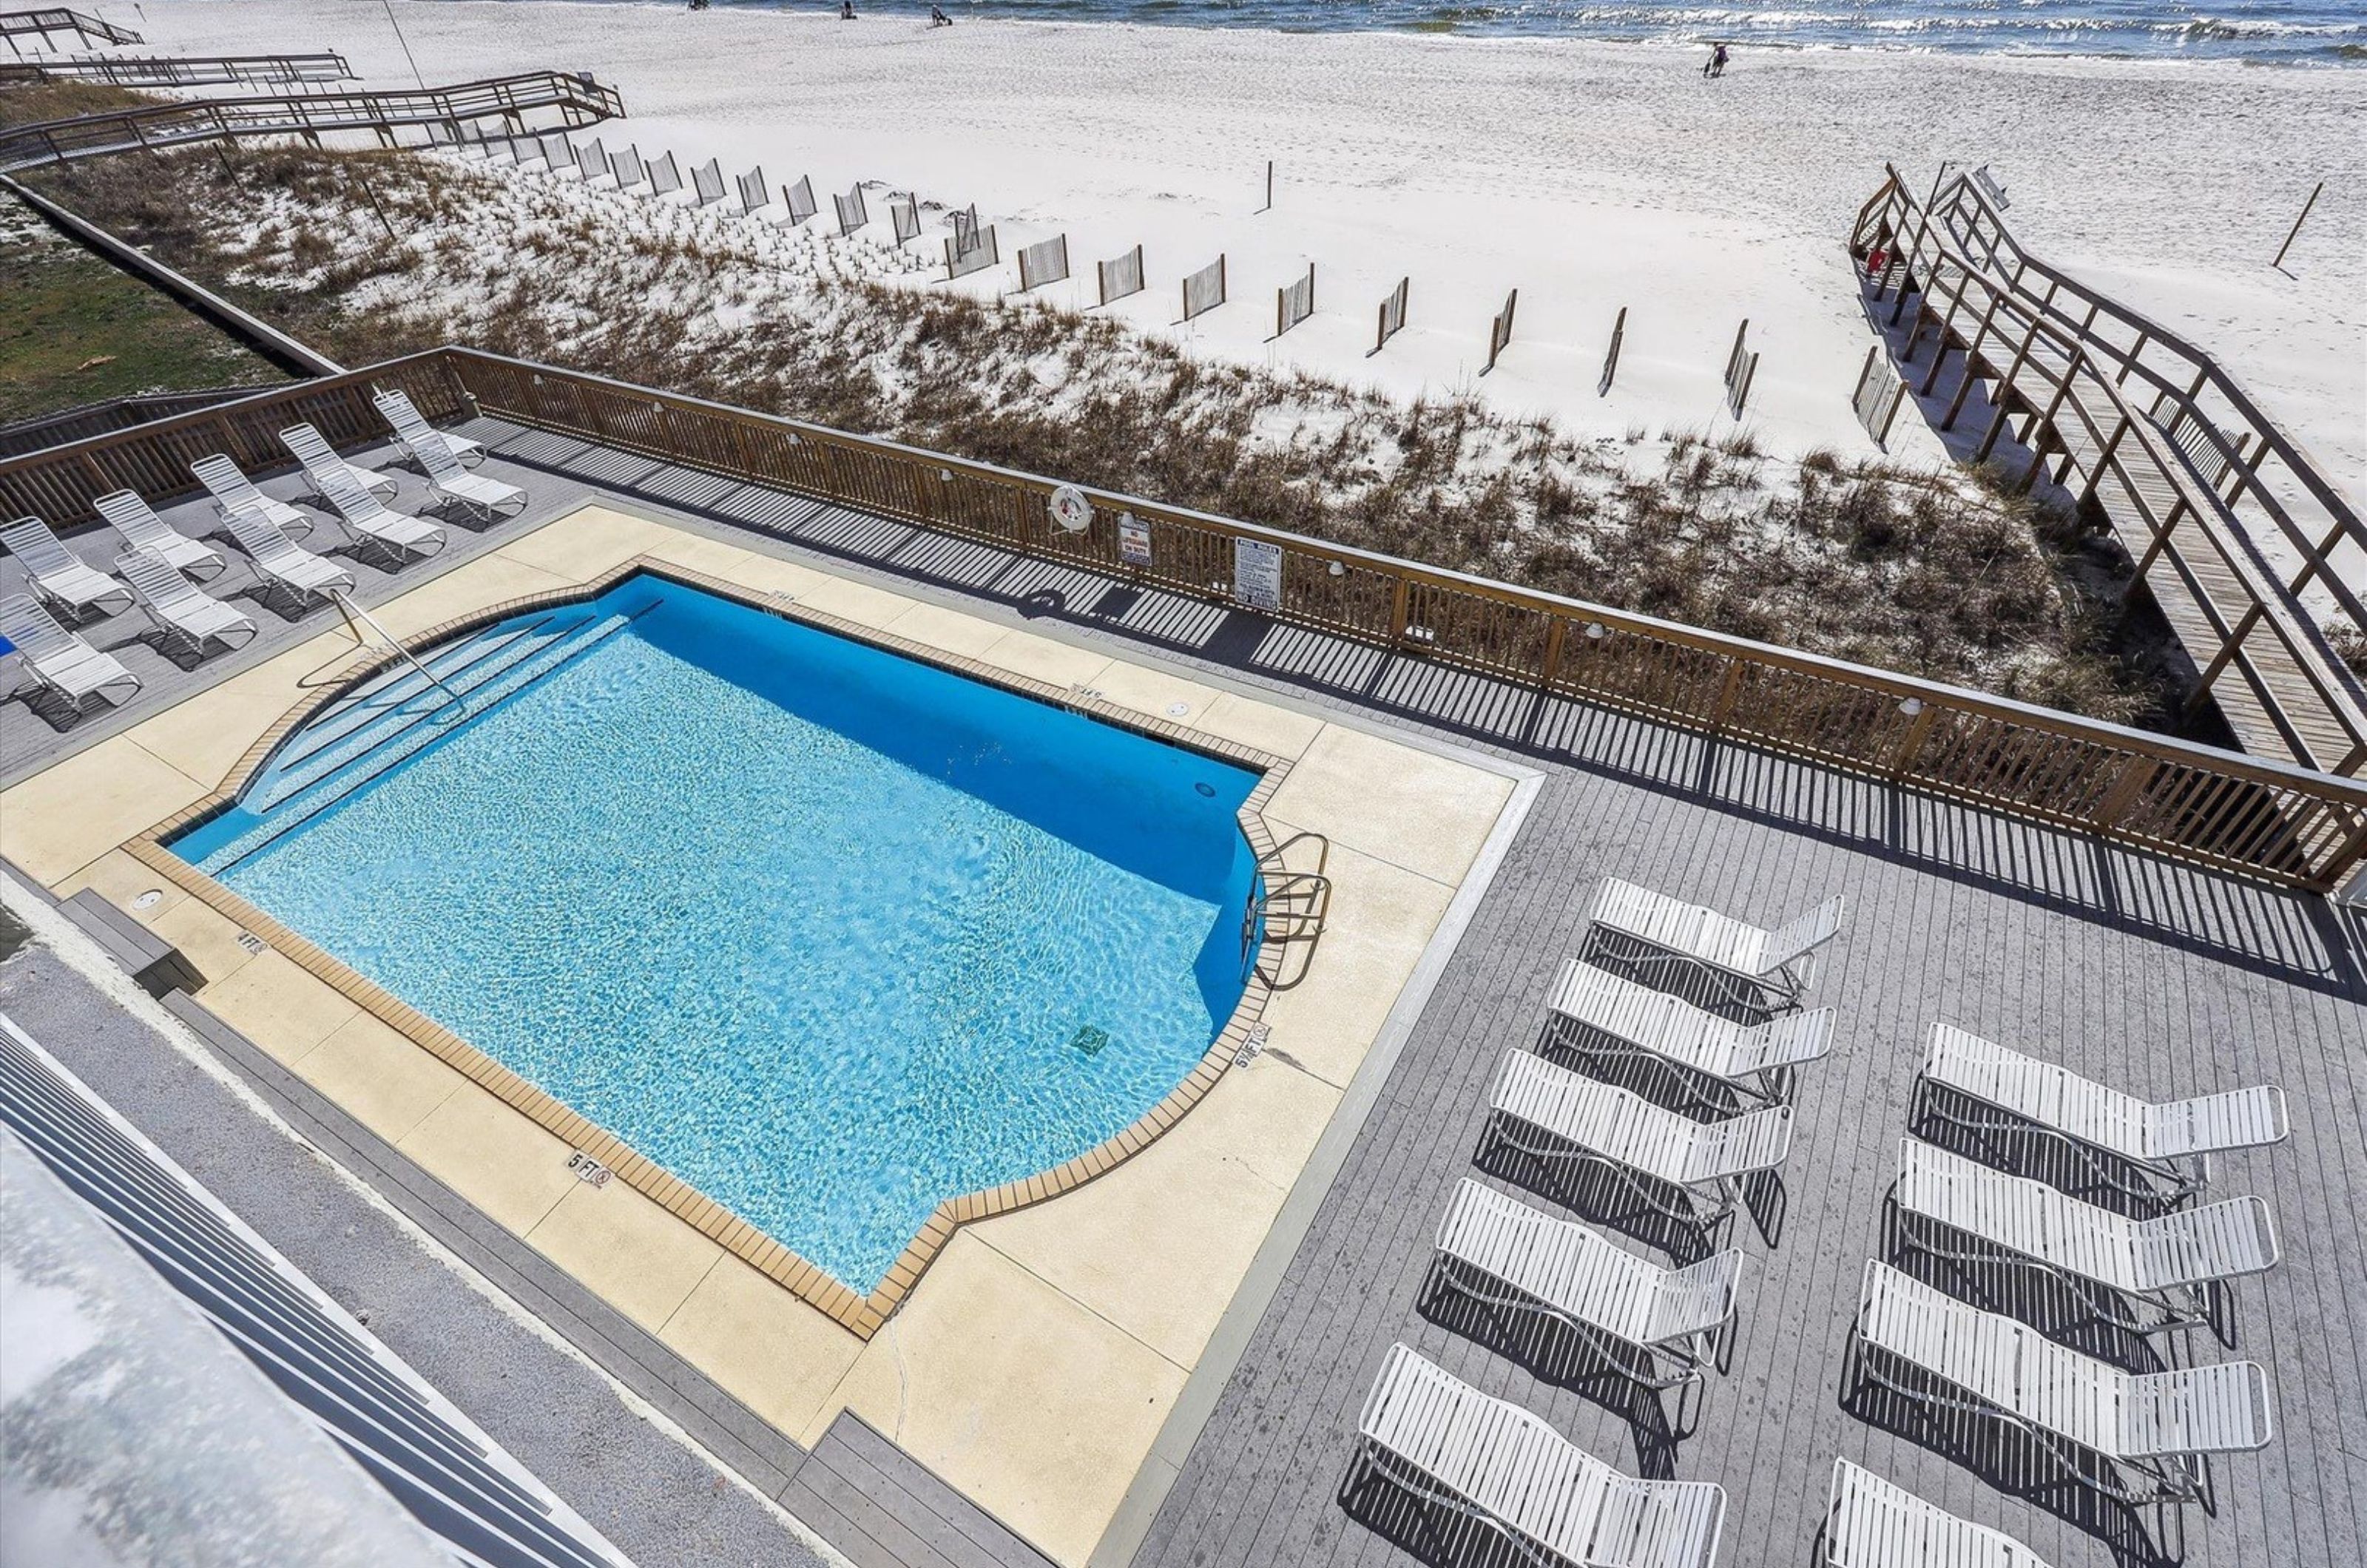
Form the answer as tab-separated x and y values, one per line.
831	935
2268	31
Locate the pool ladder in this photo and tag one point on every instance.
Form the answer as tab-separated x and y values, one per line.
1287	913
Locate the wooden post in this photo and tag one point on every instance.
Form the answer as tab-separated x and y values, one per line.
2298	223
1611	361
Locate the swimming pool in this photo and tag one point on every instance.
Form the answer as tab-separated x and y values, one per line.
832	934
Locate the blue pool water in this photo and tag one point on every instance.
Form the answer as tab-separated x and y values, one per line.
814	927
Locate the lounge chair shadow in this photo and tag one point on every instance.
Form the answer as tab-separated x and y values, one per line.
1997	1138
1568	1042
1555	1353
2090	1318
1723	995
1602	1194
2006	1457
60	713
1428	1532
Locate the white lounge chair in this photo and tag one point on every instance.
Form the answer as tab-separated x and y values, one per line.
280	564
178	609
1756	1056
394	406
1871	1523
486	496
2154	1429
60	660
2169	1262
362	512
232	489
1660	1325
141	529
57	574
2157	1138
1747	957
1584	1118
320	462
1504	1472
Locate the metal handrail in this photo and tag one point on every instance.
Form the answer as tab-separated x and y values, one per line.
356	617
59	20
1287	908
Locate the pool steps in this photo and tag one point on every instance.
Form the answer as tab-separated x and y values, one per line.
392	720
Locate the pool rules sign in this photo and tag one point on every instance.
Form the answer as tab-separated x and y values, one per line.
1257	574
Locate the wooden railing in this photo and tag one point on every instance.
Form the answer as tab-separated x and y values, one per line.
2261	473
57	19
2206	808
197	71
82	422
2156	455
472	107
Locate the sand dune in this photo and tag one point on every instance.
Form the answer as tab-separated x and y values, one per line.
1588	175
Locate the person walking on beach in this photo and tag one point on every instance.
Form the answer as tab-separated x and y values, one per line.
1715	67
937	19
846	10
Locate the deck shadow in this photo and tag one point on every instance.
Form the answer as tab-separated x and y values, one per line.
1602	1194
1953	1120
1657	1420
2005	1456
2079	1315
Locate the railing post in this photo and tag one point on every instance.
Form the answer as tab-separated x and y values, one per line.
2137	775
1910	745
1401	608
1727	695
1550	666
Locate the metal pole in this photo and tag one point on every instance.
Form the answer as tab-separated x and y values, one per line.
2298	223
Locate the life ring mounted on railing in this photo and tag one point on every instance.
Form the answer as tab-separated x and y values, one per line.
1071	512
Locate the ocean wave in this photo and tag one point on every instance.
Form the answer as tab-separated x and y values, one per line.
2268	32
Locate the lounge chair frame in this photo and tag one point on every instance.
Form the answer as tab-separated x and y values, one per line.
319	461
129	514
1747	963
231	489
1528	1087
1873	1523
43	645
1675	1358
2171	1143
2101	1255
1627	1019
1898	1306
181	613
1604	1517
275	560
56	575
403	416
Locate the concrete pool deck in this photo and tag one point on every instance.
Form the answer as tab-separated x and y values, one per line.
1035	1361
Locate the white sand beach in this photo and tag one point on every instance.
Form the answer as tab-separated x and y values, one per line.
1588	175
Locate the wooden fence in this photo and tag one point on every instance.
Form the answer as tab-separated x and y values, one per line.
2223	810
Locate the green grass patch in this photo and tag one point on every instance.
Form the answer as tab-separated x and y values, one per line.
77	331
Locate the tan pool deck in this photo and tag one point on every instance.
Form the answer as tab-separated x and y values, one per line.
1035	1361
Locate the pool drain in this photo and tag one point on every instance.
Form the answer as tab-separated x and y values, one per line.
1090	1041
149	899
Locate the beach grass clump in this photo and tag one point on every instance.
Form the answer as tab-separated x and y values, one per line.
373	254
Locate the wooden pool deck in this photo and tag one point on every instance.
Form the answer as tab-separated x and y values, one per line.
2155	978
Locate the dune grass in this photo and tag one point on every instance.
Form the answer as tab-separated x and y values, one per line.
371	255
